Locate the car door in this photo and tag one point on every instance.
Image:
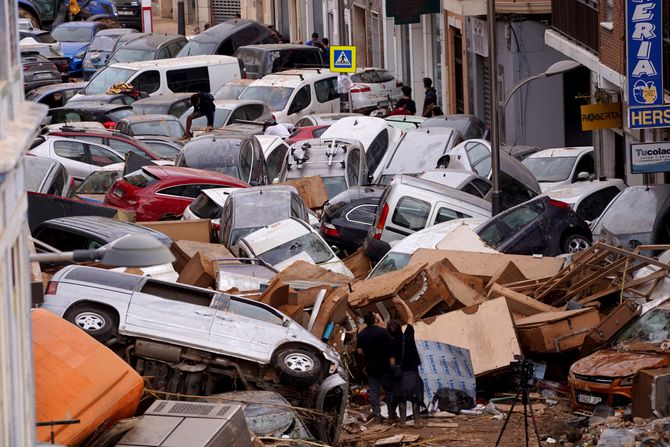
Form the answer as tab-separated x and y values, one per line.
327	97
259	174
246	329
355	174
528	230
445	212
301	104
170	312
72	154
410	214
101	156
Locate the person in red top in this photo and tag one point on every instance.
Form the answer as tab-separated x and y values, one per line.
401	108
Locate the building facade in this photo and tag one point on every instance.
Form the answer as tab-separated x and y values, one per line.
18	126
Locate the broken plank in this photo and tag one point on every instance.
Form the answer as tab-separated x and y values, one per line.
520	303
460	290
442	424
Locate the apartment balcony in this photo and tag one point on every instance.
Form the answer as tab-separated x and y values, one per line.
577	20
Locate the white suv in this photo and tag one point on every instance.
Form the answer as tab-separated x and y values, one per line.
292	94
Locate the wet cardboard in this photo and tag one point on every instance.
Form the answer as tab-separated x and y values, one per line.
190	230
556	331
651	393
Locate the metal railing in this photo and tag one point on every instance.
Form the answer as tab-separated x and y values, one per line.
578	20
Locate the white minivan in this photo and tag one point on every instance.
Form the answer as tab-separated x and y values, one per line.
292	94
158	77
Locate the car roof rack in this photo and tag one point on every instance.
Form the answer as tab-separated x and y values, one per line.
301	157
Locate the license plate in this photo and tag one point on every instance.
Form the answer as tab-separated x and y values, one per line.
125	13
586	399
118	192
42	76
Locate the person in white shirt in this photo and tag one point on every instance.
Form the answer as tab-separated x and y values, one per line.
344	84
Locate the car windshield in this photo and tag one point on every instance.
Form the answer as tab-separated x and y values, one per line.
648	332
275	98
106	78
197	48
309	244
415	155
550	169
72	34
162	150
130	55
390	263
98	182
140	178
103	43
166	128
229	91
211	159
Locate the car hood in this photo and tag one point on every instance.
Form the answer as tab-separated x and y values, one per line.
72	48
610	363
97	56
548	186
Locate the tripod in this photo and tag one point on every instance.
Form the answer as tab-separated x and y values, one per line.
524	371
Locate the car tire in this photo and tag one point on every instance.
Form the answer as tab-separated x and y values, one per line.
298	367
574	243
97	321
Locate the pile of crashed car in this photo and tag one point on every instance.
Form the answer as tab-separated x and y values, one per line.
281	245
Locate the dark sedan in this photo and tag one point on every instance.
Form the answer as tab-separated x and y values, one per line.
348	216
156	125
170	104
38	71
55	95
107	114
540	226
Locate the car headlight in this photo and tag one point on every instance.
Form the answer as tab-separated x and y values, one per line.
88	63
626	381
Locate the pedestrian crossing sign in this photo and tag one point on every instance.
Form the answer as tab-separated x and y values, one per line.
343	59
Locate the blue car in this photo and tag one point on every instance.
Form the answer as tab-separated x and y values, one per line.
75	38
104	44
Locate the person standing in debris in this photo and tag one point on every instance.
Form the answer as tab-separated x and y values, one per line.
344	84
405	362
203	105
407	94
372	343
430	98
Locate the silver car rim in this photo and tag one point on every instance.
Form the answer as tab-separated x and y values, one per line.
299	362
89	321
577	244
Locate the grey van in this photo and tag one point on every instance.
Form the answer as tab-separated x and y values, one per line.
260	60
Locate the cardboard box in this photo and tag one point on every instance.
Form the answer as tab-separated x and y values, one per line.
651	393
556	331
184	250
198	272
190	230
311	189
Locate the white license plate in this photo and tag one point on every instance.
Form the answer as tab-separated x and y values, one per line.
125	13
42	76
586	399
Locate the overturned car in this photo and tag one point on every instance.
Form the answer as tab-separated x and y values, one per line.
200	342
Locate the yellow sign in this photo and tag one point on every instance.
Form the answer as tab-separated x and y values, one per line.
343	59
74	7
601	116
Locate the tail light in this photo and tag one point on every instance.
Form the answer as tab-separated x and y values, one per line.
109	124
216	227
398	83
358	88
329	230
26	67
381	222
52	288
559	204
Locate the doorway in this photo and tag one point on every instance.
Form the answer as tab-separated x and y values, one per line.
360	32
576	85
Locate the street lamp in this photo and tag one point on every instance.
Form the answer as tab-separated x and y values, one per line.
131	250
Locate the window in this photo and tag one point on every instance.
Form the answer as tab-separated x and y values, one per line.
477	187
163	53
253	310
250	59
514	192
96	140
194	79
140	179
363	214
353	167
275	161
446	214
123	148
479	157
104	278
297	209
205	208
585	164
191	191
377	149
246	159
593	205
301	100
147	82
326	90
385	76
411	213
64	240
179	107
71	150
520	217
103	157
366	77
306	121
174	48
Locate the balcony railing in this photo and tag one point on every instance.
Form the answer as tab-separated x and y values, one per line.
578	20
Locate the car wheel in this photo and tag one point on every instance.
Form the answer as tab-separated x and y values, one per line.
97	321
575	243
298	367
25	14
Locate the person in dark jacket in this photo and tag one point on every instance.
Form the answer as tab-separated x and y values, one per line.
373	342
404	359
407	94
431	96
203	105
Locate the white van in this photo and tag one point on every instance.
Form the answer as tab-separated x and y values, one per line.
158	77
292	94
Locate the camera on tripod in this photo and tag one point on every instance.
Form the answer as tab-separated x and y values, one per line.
524	371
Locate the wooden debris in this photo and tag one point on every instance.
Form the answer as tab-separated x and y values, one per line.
401	438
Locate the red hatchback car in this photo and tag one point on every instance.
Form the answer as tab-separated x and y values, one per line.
163	192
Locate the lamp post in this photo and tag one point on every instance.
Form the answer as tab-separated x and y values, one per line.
496	192
554	69
131	250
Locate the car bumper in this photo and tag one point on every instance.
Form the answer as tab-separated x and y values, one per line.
375	249
586	395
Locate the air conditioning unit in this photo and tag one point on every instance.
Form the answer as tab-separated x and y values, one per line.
170	423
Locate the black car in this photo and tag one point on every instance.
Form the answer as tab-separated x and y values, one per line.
174	104
540	226
468	125
38	71
129	13
260	60
55	95
225	38
348	216
107	114
104	98
89	232
149	47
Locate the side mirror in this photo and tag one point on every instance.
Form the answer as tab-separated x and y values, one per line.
583	176
370	179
